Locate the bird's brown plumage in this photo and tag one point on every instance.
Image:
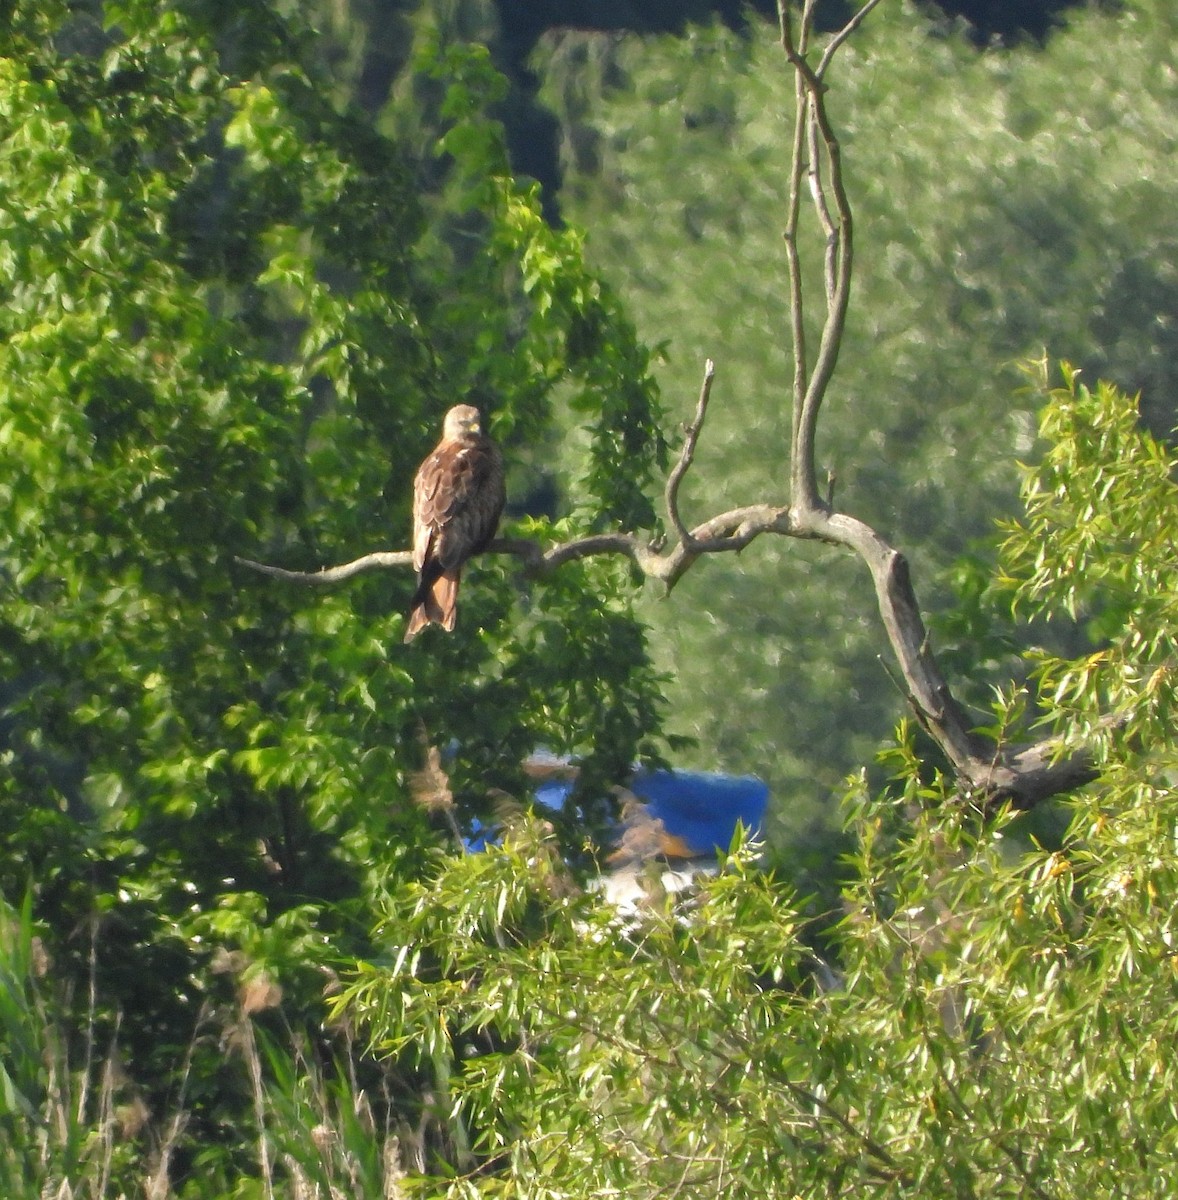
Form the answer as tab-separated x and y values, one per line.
458	496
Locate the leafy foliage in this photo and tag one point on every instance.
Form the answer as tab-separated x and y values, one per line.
1105	495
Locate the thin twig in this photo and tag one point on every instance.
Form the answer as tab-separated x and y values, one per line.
841	36
91	1018
797	325
158	1186
839	226
818	196
687	456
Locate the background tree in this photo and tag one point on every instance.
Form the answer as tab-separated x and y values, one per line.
232	320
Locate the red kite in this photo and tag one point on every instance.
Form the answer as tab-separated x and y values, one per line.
458	496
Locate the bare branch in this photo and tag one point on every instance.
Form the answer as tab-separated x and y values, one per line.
1023	775
812	126
785	22
1028	775
797	325
797	312
840	257
928	692
729	531
687	455
368	562
837	40
818	197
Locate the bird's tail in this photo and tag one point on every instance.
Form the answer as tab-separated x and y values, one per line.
435	602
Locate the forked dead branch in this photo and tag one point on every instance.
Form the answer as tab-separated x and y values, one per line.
988	773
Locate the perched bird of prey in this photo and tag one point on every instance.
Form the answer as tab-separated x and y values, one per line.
458	496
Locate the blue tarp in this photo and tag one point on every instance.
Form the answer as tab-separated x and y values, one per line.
700	808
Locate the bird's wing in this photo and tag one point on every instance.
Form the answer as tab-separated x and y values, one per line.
457	500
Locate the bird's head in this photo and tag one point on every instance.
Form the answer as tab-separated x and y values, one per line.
462	421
